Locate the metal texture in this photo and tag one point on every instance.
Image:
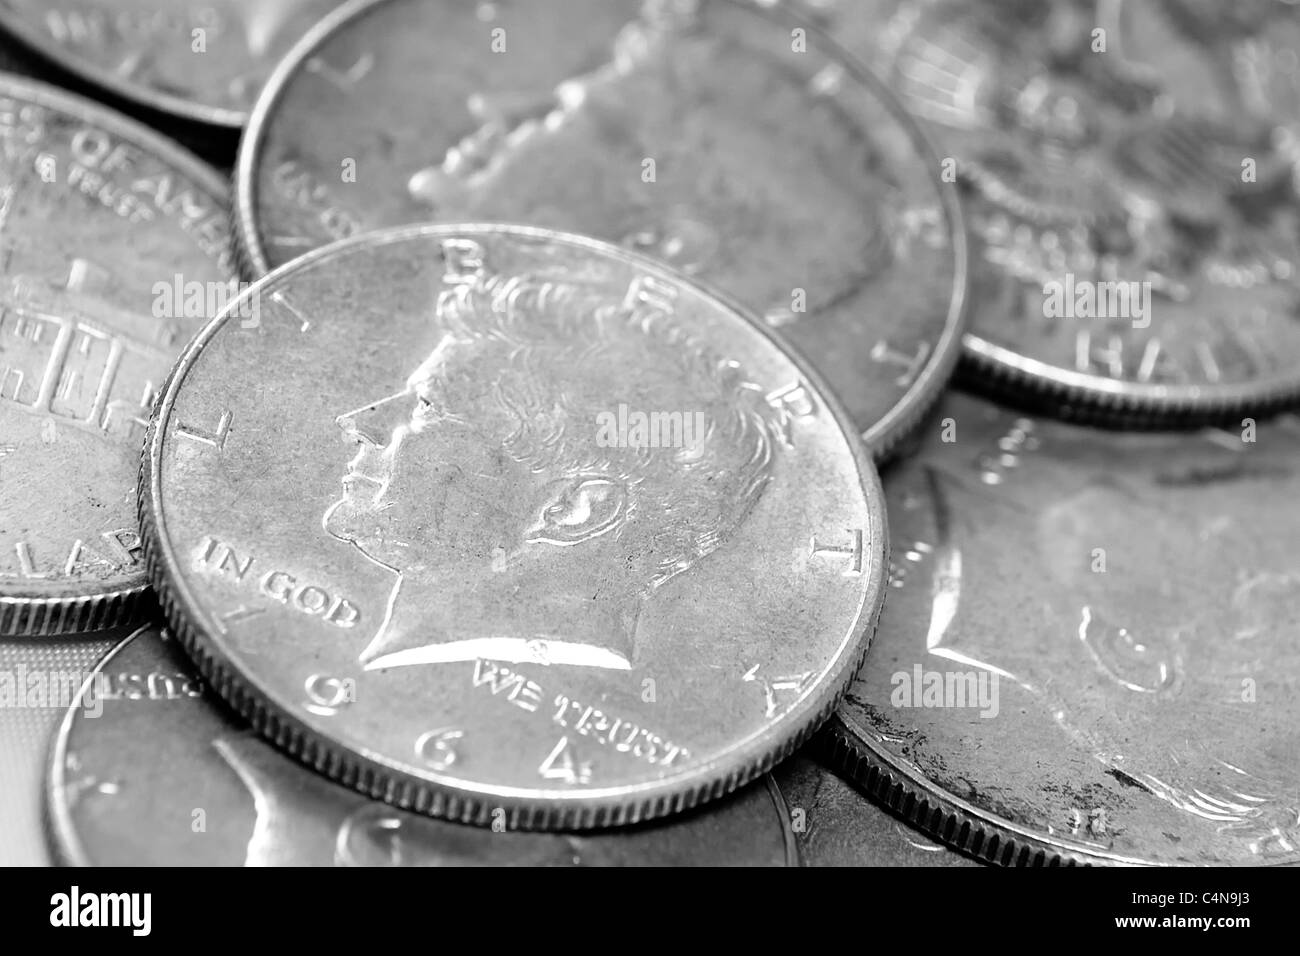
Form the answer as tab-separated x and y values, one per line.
837	826
704	134
1129	175
201	61
101	222
407	525
1088	653
149	770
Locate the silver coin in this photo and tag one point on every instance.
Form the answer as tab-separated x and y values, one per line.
114	247
204	61
837	826
148	769
737	144
1128	171
1089	652
481	518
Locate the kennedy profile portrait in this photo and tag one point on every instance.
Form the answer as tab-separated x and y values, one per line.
513	532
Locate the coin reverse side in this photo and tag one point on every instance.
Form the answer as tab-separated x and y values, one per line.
149	770
737	144
489	518
115	250
1089	652
201	61
1129	182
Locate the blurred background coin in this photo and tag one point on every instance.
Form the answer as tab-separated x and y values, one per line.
1089	649
159	773
114	248
1129	175
736	144
39	679
203	61
492	520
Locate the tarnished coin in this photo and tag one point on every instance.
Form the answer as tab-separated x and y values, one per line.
39	679
147	769
837	826
485	519
114	247
729	141
203	61
1135	223
1089	652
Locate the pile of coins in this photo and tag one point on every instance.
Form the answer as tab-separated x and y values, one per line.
489	475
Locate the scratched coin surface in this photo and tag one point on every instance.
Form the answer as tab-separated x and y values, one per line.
702	133
490	518
203	61
1089	649
105	228
149	769
1129	172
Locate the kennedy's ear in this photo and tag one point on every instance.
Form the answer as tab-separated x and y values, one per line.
581	509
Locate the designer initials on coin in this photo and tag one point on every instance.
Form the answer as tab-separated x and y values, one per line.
491	521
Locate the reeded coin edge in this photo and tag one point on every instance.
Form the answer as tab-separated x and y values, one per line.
68	849
1095	400
375	777
51	51
883	436
62	840
49	617
909	794
45	616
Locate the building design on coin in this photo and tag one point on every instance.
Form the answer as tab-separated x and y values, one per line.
502	378
93	208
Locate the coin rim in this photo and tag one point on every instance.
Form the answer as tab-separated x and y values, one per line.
32	39
63	842
387	778
40	614
882	436
63	839
1101	400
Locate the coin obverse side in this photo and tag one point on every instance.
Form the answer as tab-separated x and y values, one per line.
1089	653
735	143
115	248
1129	177
489	518
148	769
201	61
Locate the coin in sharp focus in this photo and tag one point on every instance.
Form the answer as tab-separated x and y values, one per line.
1135	247
113	241
837	826
491	517
702	133
1088	653
201	61
147	769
